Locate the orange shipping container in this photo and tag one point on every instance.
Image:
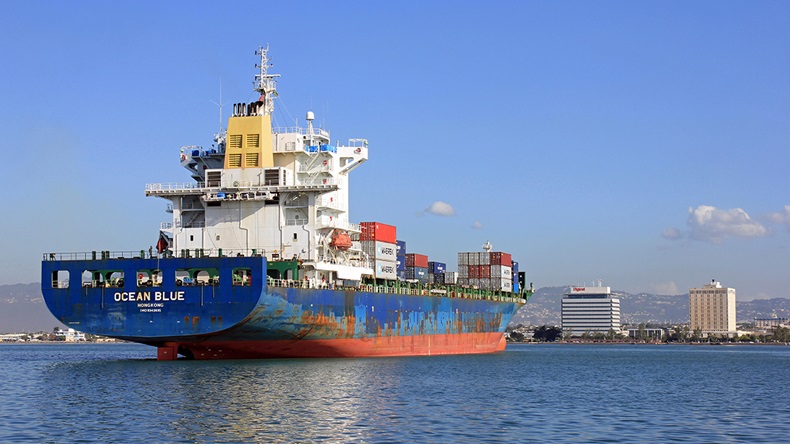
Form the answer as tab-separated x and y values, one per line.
377	231
499	258
416	260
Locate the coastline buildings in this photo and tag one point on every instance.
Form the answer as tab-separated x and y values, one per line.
712	310
590	310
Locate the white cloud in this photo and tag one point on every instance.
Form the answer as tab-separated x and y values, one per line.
781	217
672	233
477	225
707	223
665	288
440	208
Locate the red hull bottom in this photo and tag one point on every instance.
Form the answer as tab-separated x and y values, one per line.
426	345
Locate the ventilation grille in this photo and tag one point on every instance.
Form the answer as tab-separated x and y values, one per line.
253	140
234	160
251	160
235	141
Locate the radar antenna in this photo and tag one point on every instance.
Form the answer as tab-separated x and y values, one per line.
487	247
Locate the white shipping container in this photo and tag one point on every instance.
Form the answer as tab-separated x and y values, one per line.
386	270
501	271
503	284
485	283
463	271
383	251
450	277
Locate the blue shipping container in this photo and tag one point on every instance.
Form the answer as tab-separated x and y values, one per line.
401	261
401	248
515	268
418	273
437	267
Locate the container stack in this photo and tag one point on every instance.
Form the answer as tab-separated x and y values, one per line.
417	267
516	286
401	259
436	272
486	270
378	241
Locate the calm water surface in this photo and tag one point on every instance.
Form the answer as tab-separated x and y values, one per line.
530	393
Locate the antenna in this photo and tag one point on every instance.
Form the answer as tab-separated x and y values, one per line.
219	104
265	83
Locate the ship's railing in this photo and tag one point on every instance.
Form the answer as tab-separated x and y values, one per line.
173	186
300	130
452	291
101	255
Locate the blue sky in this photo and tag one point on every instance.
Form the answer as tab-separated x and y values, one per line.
642	143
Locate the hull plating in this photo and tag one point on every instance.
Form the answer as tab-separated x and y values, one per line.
225	321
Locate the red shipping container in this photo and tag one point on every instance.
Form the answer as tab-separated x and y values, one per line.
485	271
499	258
416	260
376	231
474	272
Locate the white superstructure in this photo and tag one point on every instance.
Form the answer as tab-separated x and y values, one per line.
590	310
278	192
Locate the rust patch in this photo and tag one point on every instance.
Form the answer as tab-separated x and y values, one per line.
195	320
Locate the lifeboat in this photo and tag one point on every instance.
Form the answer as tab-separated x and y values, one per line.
341	240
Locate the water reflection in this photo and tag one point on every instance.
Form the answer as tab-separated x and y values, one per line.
530	393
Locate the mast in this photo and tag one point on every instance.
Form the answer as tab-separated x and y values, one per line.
265	83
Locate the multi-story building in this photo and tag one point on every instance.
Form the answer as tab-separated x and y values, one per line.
712	310
590	310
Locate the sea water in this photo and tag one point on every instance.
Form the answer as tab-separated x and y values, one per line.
529	393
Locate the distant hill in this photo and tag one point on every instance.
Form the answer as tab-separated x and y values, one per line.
22	308
545	306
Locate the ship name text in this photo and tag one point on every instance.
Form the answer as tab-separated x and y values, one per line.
147	296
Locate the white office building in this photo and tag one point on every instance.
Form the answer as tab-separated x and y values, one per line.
590	310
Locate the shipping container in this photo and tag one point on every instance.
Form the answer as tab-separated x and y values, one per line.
499	258
463	271
377	231
483	271
385	270
463	259
401	248
417	273
502	284
437	267
484	258
514	266
401	262
379	250
450	277
416	260
501	271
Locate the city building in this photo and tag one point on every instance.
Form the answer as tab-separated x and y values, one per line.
590	310
770	323
712	310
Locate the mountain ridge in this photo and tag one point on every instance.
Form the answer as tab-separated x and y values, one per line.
22	308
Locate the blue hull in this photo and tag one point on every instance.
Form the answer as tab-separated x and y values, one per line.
249	318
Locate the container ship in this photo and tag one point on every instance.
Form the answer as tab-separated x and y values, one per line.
261	260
